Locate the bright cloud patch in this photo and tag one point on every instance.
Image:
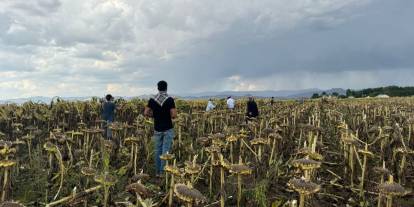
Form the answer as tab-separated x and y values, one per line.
82	48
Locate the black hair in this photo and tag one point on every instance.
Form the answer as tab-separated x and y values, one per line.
162	86
108	97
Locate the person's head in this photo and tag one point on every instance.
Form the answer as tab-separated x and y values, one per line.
108	97
162	86
229	97
251	98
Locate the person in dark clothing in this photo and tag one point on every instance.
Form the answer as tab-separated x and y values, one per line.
272	101
162	109
252	110
108	114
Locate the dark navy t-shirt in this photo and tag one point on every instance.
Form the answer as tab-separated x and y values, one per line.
252	110
162	114
108	109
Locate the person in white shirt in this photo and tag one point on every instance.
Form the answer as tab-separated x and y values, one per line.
210	105
230	103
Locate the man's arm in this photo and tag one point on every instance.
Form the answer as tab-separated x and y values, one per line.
173	113
249	109
147	112
173	110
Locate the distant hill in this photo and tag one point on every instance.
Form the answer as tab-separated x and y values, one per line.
283	94
392	91
309	94
41	99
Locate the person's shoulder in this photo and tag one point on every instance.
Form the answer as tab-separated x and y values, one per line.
151	101
170	99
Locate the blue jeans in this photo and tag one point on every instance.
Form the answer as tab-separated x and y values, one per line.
163	142
108	131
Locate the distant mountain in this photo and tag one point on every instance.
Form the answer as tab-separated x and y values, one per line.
392	91
309	93
41	99
283	94
35	99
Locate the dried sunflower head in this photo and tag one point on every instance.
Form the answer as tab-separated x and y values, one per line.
240	169
303	186
306	164
139	189
167	156
188	194
88	171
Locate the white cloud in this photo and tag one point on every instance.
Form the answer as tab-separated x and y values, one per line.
25	87
90	47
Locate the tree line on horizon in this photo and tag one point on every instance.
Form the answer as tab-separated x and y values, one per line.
392	91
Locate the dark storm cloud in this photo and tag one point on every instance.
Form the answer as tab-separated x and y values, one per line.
376	37
51	47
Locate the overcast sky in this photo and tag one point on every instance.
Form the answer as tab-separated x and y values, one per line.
123	47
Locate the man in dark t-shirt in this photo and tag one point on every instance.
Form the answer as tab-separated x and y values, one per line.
252	110
108	114
161	107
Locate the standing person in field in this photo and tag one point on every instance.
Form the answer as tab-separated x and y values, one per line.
272	101
108	114
230	103
210	105
252	110
161	107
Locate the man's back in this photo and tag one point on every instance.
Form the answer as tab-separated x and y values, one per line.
108	109
230	103
252	110
161	114
210	106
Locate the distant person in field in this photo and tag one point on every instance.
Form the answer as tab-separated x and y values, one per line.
272	101
230	103
210	105
108	114
252	110
161	107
